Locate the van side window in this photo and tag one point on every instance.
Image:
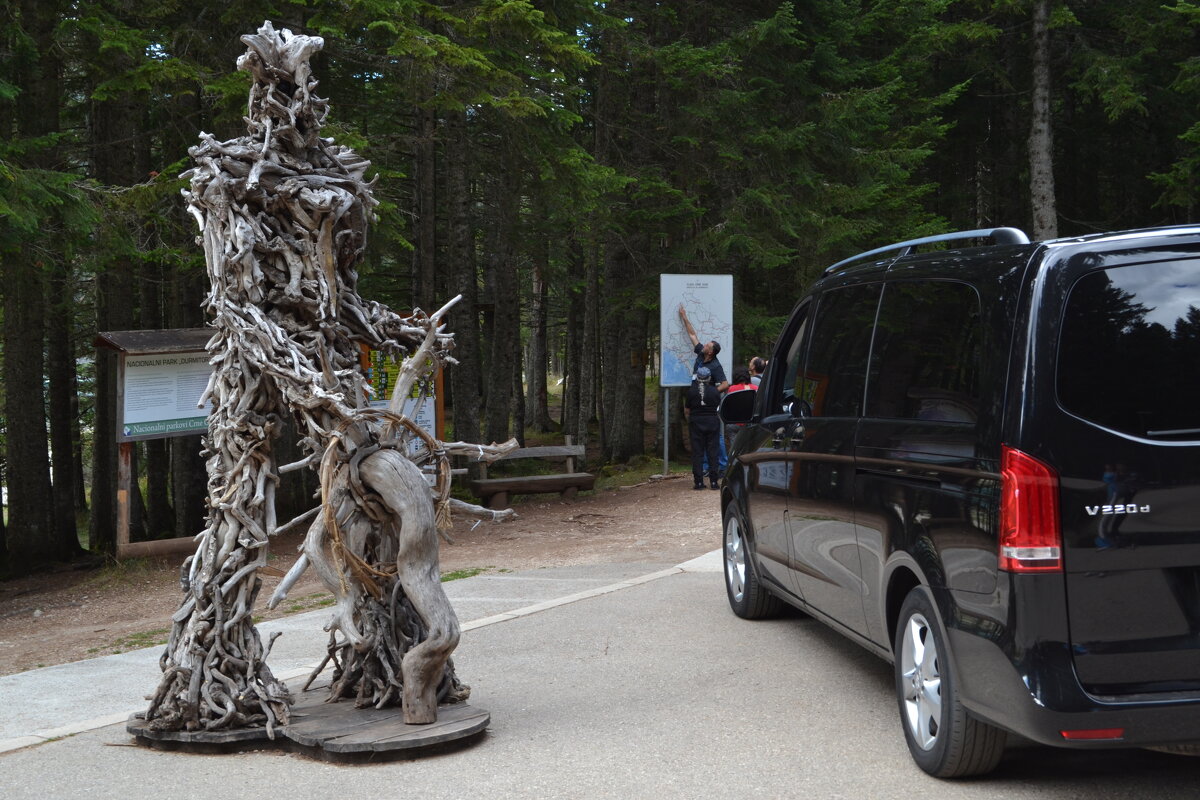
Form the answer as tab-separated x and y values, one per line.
928	349
796	352
835	374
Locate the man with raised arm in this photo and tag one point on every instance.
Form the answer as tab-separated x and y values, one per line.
706	354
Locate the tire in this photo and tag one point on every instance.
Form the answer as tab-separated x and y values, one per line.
943	738
1188	749
748	598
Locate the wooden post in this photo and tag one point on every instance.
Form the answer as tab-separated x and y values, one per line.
440	406
126	548
124	486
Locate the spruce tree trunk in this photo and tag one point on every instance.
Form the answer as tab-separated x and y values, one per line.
610	341
60	367
624	332
1041	133
591	362
573	360
536	360
6	127
425	169
80	480
3	528
31	539
160	519
518	395
29	536
505	333
184	288
115	162
465	378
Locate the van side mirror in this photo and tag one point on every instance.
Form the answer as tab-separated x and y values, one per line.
737	408
799	407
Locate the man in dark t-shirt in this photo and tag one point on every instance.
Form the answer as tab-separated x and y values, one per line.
706	353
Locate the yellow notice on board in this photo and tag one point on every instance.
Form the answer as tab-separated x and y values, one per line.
382	373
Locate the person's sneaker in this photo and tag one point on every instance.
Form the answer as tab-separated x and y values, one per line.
699	485
714	485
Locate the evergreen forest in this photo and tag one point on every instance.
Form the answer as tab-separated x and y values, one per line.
546	159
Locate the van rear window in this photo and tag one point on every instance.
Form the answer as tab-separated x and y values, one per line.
1129	357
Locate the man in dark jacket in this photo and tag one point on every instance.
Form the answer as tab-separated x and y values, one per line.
704	426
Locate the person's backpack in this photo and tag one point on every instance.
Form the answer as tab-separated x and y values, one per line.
703	396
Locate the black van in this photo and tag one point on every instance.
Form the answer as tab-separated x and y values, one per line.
983	464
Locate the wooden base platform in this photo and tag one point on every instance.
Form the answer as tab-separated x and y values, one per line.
333	732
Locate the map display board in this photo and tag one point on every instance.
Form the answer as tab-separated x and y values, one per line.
708	300
160	392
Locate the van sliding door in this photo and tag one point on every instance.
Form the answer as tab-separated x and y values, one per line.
922	486
825	558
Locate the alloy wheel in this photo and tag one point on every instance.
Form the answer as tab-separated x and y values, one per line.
735	559
921	681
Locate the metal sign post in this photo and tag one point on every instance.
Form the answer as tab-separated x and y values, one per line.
666	431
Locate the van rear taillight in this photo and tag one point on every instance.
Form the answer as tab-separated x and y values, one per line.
1030	537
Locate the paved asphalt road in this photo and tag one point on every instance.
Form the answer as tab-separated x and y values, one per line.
602	682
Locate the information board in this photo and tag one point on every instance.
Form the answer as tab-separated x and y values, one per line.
160	393
708	300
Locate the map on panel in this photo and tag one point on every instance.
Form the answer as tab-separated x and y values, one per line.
708	301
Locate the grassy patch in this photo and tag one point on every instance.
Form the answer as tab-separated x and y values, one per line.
309	602
638	470
469	572
134	641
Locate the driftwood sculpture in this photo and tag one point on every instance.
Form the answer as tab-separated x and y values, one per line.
283	217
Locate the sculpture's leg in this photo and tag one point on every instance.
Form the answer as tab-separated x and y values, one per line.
424	664
403	490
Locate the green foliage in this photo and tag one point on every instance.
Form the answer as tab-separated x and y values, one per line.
29	198
758	139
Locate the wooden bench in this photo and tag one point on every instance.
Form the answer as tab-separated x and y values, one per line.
495	491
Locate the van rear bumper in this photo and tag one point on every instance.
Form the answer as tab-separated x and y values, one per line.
1037	695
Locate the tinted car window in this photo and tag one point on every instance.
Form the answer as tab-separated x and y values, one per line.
797	349
1130	350
927	353
835	375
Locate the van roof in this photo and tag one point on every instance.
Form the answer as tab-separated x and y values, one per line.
1004	236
